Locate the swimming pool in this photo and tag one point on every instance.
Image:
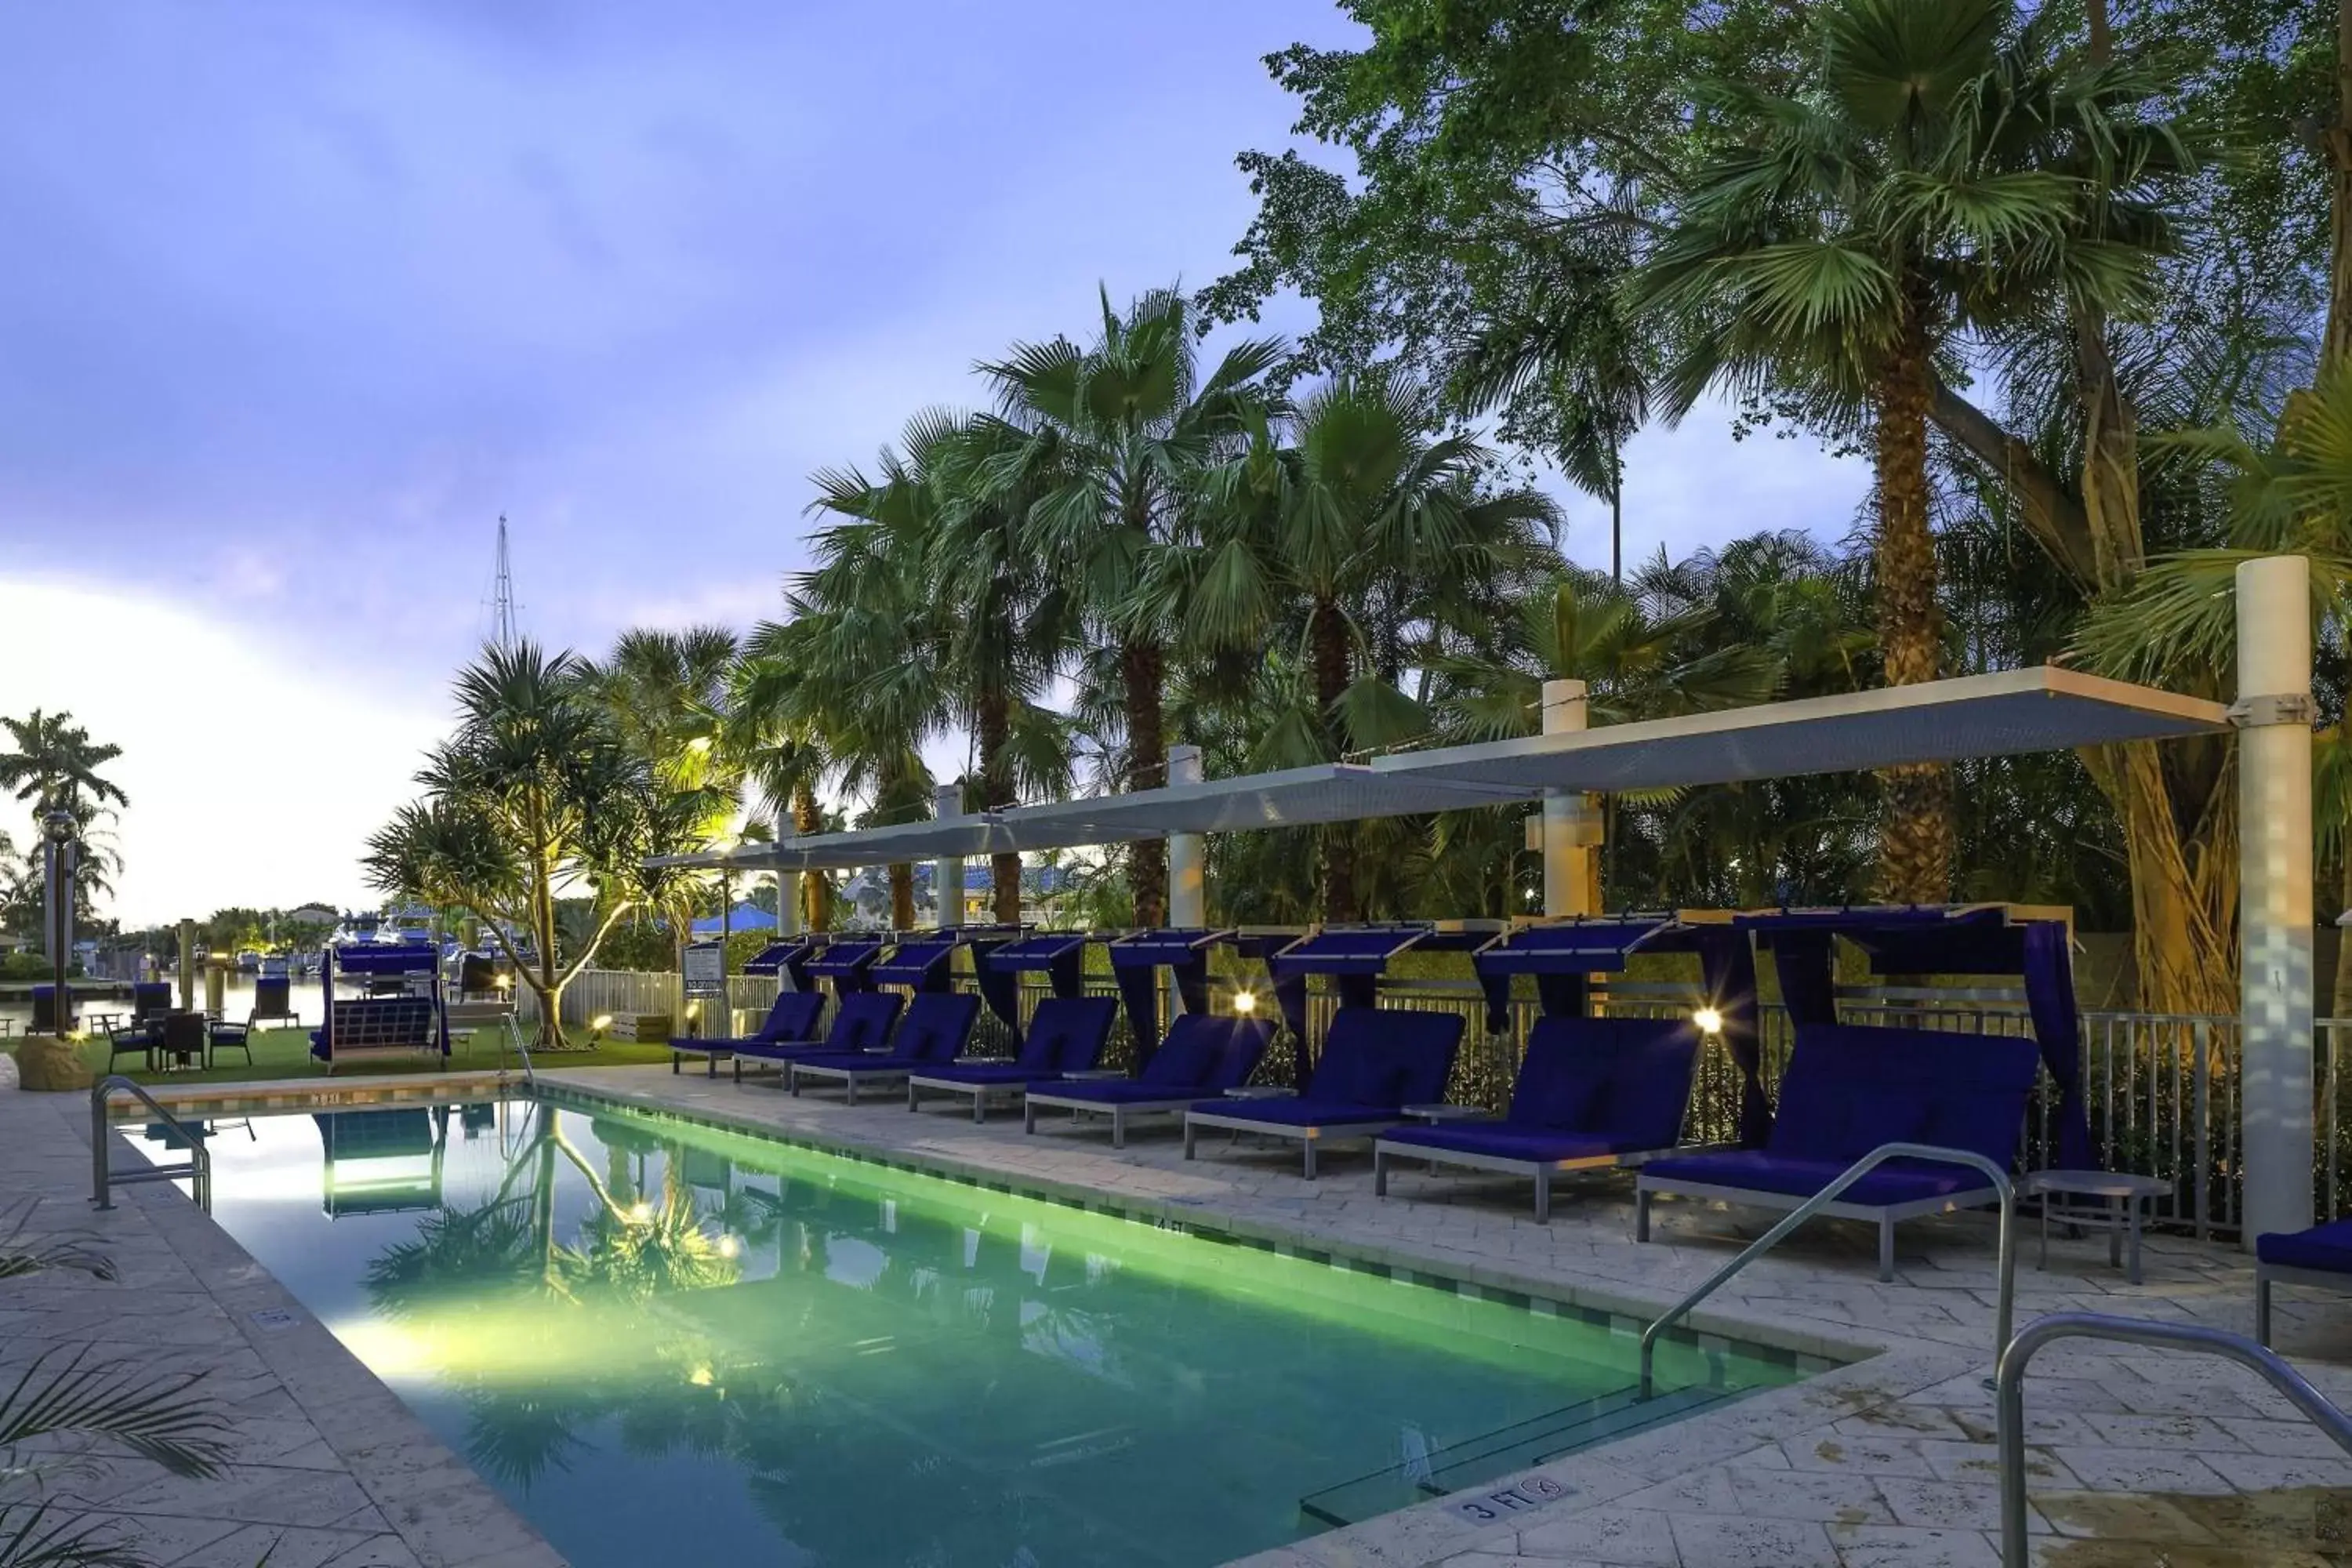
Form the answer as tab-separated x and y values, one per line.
657	1337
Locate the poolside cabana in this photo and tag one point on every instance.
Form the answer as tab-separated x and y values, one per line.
2013	711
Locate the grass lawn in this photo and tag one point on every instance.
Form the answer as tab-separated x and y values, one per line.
286	1053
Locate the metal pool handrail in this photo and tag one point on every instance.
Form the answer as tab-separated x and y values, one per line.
102	1177
2009	1385
2004	1313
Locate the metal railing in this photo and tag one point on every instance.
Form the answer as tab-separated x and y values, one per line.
104	1178
2003	1312
2009	1384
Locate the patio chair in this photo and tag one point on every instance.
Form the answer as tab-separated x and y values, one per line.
273	1002
1065	1035
222	1034
1204	1054
1592	1092
150	1000
1850	1088
861	1023
1375	1062
934	1032
2320	1257
791	1017
138	1039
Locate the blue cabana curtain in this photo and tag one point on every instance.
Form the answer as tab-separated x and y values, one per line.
1727	966
2057	1029
1801	961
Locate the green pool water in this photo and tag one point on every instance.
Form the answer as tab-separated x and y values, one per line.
665	1342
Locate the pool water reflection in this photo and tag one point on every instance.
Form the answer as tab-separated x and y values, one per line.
660	1340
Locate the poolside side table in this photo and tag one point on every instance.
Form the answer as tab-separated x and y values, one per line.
2127	1196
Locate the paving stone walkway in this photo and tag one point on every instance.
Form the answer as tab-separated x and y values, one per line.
2137	1457
326	1466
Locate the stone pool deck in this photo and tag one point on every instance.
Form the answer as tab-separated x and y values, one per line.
326	1466
2138	1458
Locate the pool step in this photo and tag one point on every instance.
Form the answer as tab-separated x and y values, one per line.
1539	1438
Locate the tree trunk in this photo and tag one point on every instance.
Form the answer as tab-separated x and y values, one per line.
995	736
902	897
1915	834
1140	669
816	896
2184	881
1329	635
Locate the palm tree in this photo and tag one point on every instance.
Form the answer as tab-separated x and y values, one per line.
1571	370
535	791
665	694
776	743
1013	621
1362	545
1838	246
876	624
54	765
1109	441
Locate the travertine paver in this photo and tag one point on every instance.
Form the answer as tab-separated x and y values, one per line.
326	1466
2138	1457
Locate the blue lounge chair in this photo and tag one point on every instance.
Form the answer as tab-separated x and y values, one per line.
1204	1054
1850	1088
861	1023
1375	1062
2320	1256
1065	1035
1592	1092
791	1017
273	1002
934	1032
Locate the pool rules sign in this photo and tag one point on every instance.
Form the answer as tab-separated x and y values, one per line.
706	988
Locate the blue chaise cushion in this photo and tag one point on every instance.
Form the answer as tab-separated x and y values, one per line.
2323	1247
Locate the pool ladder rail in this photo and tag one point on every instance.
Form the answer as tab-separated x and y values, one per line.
2009	1395
104	1178
2004	1315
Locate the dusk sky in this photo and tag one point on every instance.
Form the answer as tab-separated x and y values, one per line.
298	298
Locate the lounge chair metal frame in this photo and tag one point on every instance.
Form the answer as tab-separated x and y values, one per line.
1310	1138
1117	1112
920	1084
852	1078
1888	1215
2269	1274
1541	1172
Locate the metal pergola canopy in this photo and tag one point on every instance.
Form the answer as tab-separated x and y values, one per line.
2041	709
2037	710
1295	798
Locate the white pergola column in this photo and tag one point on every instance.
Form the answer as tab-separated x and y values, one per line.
2274	892
947	878
1572	831
1188	885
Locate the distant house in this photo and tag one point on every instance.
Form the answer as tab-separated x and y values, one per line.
316	914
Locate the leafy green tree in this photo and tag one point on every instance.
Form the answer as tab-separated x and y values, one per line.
1111	440
535	792
53	765
1360	545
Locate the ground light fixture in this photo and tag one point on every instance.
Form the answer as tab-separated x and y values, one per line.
1709	1021
641	1213
1245	1003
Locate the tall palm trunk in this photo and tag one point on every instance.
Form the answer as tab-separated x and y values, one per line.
1915	833
1141	667
902	896
1327	635
995	731
817	906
